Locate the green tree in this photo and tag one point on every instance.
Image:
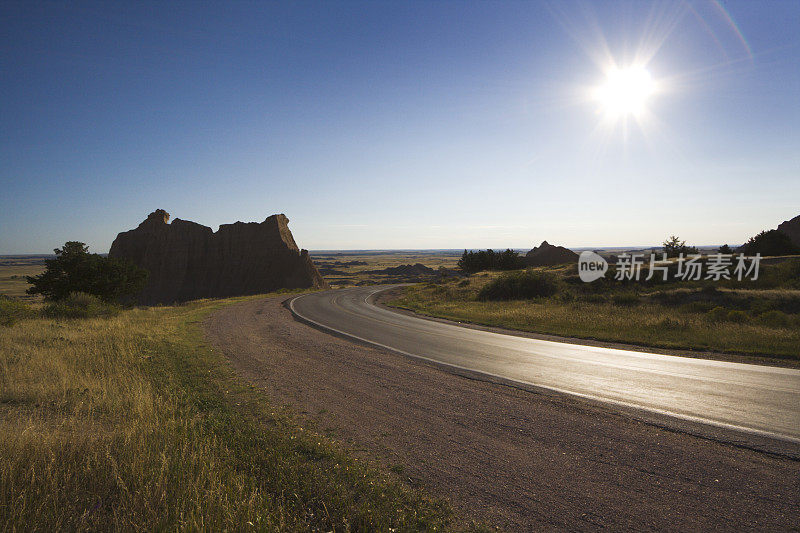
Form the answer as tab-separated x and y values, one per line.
476	261
490	260
674	246
725	249
772	242
509	260
74	269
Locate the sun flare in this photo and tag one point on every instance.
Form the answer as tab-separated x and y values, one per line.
625	92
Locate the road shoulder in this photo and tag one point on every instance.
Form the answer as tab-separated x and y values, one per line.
516	458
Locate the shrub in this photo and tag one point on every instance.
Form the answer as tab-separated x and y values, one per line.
80	305
566	297
671	323
12	311
785	274
709	290
718	314
774	318
74	269
519	286
626	298
698	307
738	316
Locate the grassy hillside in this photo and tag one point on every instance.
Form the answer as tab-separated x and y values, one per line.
130	422
757	318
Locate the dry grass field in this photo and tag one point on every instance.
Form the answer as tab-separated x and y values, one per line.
131	422
12	275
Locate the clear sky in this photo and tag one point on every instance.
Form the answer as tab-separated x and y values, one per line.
400	124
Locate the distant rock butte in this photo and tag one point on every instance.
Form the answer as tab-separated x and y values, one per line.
547	254
792	229
187	260
417	269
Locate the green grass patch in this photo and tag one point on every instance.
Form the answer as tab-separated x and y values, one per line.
80	305
129	422
13	310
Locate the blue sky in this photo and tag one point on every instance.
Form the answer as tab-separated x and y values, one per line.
398	125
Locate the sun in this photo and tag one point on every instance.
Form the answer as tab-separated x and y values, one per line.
625	92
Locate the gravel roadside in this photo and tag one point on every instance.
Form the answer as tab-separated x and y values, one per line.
521	460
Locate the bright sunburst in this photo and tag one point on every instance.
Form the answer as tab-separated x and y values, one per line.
625	92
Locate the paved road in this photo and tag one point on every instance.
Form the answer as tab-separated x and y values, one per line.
753	400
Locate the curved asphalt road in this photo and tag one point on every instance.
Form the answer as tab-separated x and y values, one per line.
759	401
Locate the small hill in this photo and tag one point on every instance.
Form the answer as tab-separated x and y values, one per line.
547	254
417	269
785	240
791	228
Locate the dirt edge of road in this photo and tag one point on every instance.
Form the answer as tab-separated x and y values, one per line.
519	459
726	435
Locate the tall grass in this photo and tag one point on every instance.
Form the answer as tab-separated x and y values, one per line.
128	422
13	310
80	305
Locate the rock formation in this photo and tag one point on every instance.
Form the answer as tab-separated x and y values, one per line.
791	228
547	254
404	270
189	261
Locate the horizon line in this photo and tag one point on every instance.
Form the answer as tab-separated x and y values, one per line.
351	250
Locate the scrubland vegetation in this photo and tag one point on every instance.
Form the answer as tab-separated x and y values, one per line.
759	317
124	420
